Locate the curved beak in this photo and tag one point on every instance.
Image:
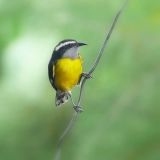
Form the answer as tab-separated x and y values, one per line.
81	44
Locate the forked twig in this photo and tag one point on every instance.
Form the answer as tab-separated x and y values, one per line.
75	114
100	52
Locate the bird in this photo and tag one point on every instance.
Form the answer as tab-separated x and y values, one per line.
65	69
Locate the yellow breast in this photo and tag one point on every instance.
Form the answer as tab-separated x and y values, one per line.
67	73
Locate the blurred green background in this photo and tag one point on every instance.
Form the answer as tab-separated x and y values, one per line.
122	102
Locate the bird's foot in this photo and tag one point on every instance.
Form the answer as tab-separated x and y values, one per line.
78	109
86	75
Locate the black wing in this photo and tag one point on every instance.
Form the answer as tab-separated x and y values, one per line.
55	56
51	74
51	67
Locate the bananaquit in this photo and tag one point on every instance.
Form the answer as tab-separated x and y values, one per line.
65	69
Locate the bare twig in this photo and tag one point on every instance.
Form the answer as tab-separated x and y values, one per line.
100	52
75	114
65	132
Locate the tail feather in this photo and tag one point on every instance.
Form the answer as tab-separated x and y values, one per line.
62	97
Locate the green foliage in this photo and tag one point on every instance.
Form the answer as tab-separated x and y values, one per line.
121	118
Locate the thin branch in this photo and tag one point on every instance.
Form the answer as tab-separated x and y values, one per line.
75	114
65	132
101	51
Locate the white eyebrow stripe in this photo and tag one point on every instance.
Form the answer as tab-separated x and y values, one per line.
64	44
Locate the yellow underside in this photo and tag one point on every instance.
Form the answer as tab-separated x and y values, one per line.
67	73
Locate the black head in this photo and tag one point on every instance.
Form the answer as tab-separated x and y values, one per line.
68	44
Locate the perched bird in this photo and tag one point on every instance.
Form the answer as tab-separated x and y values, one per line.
65	69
